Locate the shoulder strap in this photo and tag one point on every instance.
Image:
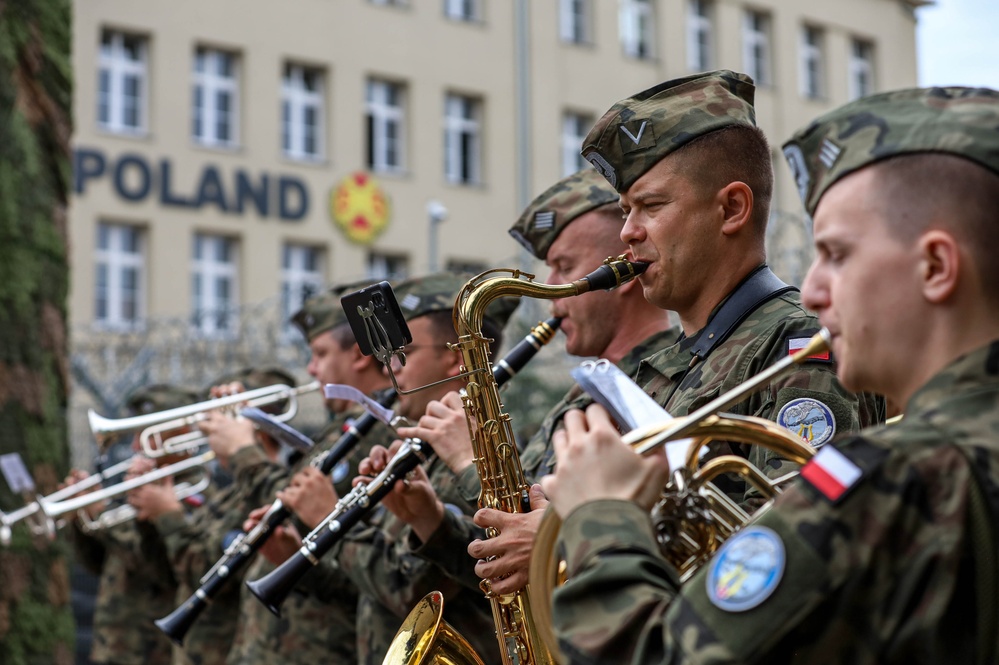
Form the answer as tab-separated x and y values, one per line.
983	548
761	286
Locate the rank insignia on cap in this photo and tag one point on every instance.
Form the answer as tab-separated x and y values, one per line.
810	419
832	473
543	220
636	135
795	344
828	153
746	570
340	471
410	302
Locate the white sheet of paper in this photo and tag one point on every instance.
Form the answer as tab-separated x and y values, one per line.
16	474
340	391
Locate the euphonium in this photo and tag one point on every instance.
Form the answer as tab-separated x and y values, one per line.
692	517
504	486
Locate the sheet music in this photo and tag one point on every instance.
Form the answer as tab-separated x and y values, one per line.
16	474
340	391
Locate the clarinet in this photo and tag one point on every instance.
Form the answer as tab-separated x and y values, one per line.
239	553
273	588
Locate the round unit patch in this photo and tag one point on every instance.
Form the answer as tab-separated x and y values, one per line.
810	419
746	570
340	471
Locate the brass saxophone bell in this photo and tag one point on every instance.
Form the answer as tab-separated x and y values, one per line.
425	638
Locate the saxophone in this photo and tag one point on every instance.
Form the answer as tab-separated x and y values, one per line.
501	476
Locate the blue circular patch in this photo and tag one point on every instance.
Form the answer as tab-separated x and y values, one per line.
746	570
340	471
810	419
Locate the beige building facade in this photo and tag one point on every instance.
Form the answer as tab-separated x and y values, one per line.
212	135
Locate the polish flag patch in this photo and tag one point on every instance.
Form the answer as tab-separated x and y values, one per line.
831	473
795	344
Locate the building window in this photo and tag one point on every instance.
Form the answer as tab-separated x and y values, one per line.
119	293
214	284
302	129
756	46
637	28
386	121
463	10
574	129
216	98
122	83
700	42
812	63
462	139
575	20
861	68
387	266
302	275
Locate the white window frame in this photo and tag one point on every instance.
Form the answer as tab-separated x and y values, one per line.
299	281
208	312
861	82
812	63
296	101
638	28
575	20
575	126
211	82
116	260
114	63
385	265
756	48
700	31
382	115
462	119
468	11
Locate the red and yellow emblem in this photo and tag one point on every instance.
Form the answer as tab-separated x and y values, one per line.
360	207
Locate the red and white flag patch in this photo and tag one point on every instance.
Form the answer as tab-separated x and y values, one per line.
831	473
795	344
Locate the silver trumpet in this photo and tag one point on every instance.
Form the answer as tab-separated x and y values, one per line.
153	426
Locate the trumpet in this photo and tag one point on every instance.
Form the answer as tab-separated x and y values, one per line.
153	426
123	513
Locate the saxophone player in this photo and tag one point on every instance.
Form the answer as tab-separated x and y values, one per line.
880	550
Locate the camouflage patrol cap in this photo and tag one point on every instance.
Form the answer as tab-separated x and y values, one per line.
547	215
159	397
639	131
956	121
322	312
419	296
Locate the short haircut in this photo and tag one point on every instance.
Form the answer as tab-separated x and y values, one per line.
936	190
343	335
738	153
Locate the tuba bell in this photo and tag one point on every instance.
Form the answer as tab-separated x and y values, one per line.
692	517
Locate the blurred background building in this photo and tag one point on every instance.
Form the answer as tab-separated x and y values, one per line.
232	157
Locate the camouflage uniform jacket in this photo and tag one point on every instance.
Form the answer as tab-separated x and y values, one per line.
883	573
447	547
196	541
312	628
392	580
766	336
136	587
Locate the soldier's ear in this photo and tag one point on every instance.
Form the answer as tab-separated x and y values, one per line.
360	362
736	203
940	265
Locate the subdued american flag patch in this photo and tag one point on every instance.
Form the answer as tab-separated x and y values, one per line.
544	220
831	473
795	344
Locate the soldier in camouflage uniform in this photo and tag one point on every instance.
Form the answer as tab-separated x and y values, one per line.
136	583
884	550
196	540
313	628
391	579
695	180
572	226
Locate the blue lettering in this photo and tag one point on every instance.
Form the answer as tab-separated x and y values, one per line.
167	197
87	164
245	190
287	186
121	184
210	190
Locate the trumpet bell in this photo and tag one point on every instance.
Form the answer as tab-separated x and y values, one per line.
425	638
